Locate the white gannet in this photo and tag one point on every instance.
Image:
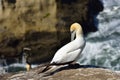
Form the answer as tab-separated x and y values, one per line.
25	58
70	52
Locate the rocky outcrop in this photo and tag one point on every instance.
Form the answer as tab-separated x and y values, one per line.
42	25
67	73
28	24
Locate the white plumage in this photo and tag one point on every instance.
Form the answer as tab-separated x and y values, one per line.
70	52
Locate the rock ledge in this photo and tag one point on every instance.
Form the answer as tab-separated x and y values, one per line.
66	73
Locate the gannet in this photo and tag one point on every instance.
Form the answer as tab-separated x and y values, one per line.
25	55
70	52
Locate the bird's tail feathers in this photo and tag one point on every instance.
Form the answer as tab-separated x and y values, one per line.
46	68
53	66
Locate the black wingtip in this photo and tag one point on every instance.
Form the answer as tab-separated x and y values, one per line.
45	69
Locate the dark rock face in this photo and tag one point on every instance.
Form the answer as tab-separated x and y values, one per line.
42	25
81	11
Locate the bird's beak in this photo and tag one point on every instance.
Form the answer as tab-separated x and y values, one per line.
72	35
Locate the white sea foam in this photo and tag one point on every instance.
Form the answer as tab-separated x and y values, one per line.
103	46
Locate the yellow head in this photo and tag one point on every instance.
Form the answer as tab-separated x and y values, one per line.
75	29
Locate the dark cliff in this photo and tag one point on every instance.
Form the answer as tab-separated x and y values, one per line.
42	25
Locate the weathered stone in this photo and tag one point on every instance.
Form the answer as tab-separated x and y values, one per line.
66	73
42	25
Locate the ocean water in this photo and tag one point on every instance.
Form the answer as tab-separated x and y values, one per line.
103	47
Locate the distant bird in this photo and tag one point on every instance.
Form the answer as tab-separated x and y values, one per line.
25	58
70	52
